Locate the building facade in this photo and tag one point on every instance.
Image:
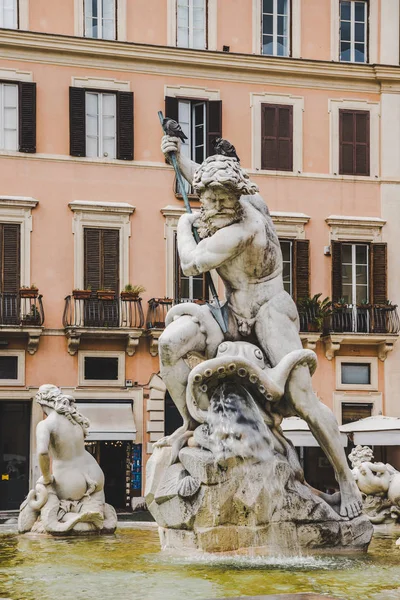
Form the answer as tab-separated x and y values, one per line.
309	93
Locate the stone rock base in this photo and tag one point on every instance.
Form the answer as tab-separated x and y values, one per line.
284	537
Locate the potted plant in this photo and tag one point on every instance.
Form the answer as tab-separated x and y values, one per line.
387	306
106	294
340	304
82	294
30	291
315	311
33	317
132	292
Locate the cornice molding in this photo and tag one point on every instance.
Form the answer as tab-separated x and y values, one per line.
18	201
132	57
90	206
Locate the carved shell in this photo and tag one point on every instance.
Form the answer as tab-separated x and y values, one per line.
188	486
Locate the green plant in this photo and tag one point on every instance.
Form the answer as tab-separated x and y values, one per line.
316	310
134	289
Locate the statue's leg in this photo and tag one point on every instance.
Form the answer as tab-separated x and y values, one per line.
183	335
277	331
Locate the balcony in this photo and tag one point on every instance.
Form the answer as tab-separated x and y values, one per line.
103	318
22	315
372	325
155	320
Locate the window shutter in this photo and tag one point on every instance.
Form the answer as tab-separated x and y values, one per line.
77	122
92	258
214	123
27	117
171	108
378	261
336	271
110	252
277	137
125	125
301	269
10	258
354	142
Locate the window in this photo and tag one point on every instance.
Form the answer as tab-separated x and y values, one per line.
201	121
101	368
191	18
354	142
101	272
18	116
355	411
275	27
277	137
355	270
8	116
101	128
296	275
101	123
356	373
353	31
10	273
100	19
8	14
192	119
12	367
286	247
188	288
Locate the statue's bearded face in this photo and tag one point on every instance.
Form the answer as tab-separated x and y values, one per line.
220	208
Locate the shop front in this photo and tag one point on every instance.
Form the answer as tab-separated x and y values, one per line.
15	425
111	440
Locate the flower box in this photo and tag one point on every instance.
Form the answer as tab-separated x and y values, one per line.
105	294
81	294
28	292
129	296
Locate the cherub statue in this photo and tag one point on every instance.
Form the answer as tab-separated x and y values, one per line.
239	240
379	483
69	495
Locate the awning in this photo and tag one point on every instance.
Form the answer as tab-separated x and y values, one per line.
298	432
374	431
109	420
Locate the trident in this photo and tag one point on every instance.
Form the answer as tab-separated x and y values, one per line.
215	308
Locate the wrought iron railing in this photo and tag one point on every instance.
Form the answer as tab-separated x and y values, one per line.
21	311
352	319
157	312
96	312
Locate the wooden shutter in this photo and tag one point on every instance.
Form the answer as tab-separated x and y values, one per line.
301	269
92	258
277	137
125	125
27	117
172	108
378	273
101	258
10	257
110	255
77	122
336	271
213	124
354	142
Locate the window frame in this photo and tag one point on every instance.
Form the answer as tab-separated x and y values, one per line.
291	264
370	387
374	108
352	32
100	21
119	354
177	275
354	271
100	118
297	102
20	380
275	30
15	84
190	27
